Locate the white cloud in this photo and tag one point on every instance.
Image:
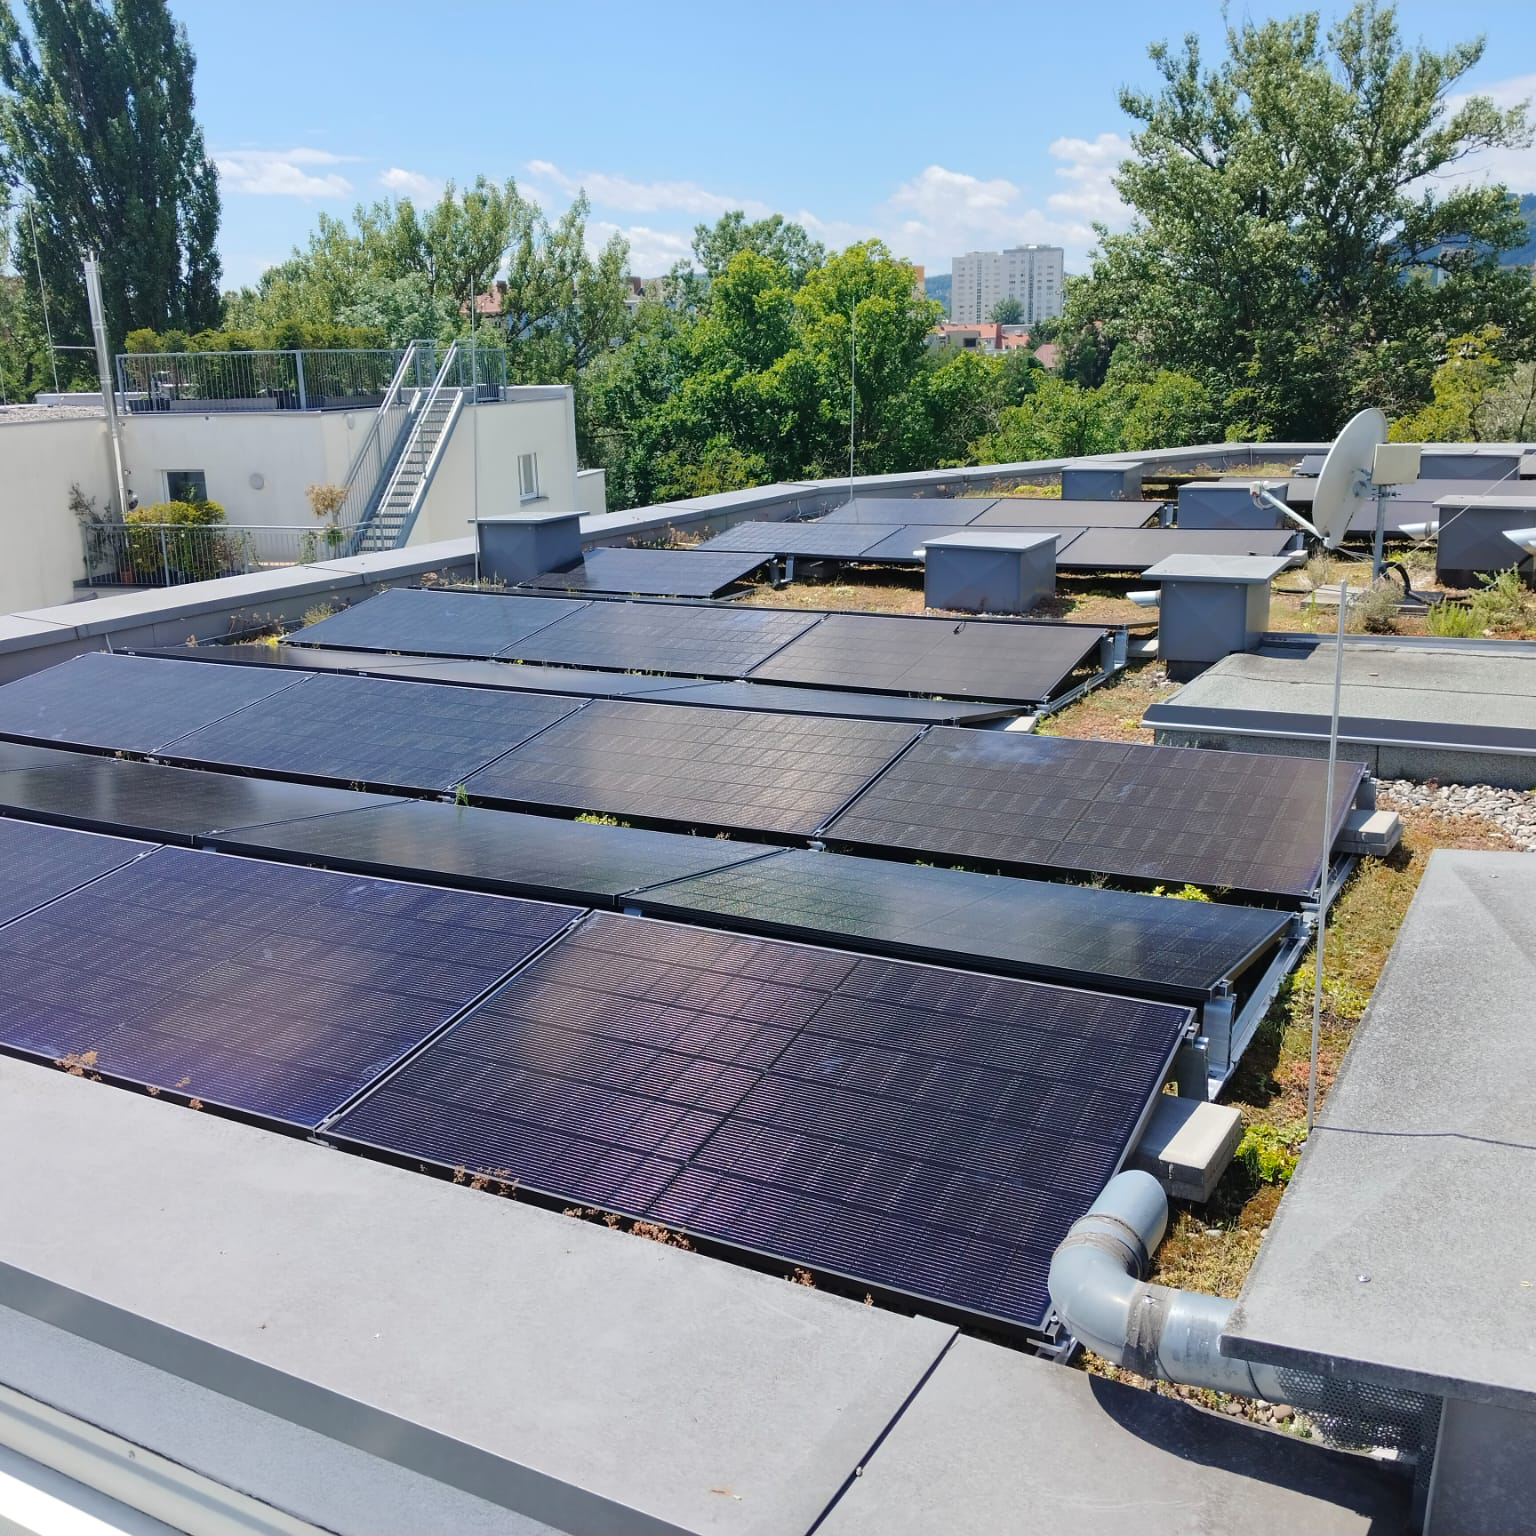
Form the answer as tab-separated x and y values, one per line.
652	252
1089	168
412	184
1516	168
282	172
623	195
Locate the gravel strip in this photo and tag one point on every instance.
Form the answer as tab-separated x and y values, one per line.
1511	810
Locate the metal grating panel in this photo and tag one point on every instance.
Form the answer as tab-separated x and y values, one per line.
106	794
952	511
1112	939
128	703
435	623
824	541
919	1130
651	573
1227	820
827	701
685	640
40	864
272	990
1042	512
494	850
697	767
1134	549
360	730
971	659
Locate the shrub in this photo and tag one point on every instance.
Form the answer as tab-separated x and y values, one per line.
178	555
1375	611
1452	621
325	501
1503	604
1184	893
1268	1154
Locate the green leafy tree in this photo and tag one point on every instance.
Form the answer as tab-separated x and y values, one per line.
1291	249
774	238
1478	397
1008	312
1060	420
96	119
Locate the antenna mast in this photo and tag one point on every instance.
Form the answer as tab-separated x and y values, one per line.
853	383
42	289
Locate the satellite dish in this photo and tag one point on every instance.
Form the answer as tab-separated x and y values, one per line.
1344	484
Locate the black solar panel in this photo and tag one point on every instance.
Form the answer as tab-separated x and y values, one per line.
918	1130
666	637
972	659
697	767
268	989
1040	512
502	851
363	730
904	546
826	701
1227	820
169	804
16	755
953	511
825	541
1134	549
651	573
128	703
1117	940
435	623
38	864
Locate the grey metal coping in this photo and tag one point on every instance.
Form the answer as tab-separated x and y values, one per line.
1001	541
1497	503
1224	568
998	1443
576	1375
1404	1251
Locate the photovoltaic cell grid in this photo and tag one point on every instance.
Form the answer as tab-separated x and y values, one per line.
973	659
1144	944
905	545
1048	512
435	623
828	701
955	511
128	703
1226	820
272	990
922	1131
664	637
651	573
40	864
363	730
827	541
1134	549
700	767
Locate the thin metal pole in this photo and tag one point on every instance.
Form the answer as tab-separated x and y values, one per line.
1323	883
104	373
1381	532
42	290
853	385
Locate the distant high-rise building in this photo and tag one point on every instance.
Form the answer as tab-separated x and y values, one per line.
1032	274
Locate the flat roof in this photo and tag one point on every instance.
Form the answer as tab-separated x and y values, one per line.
1404	1252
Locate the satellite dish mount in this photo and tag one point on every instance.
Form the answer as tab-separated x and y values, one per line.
1344	484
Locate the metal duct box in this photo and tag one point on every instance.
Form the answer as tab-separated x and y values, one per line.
524	545
1101	480
1442	463
989	570
1228	504
1471	539
1212	605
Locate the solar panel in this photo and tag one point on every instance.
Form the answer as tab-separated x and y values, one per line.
435	623
364	730
666	637
904	546
502	851
697	767
953	511
16	755
267	989
826	701
1041	512
43	863
169	804
824	541
1134	549
1227	820
923	1131
128	703
971	658
651	573
1118	940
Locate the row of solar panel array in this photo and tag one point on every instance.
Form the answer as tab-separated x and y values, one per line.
997	799
978	659
915	1130
1115	940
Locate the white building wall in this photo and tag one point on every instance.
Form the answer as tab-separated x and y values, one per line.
1032	274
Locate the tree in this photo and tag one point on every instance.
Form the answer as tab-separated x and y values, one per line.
1291	251
1008	311
1478	397
775	238
96	119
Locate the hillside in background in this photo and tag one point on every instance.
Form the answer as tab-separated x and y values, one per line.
937	287
1526	254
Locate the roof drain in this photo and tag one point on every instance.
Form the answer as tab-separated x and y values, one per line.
1170	1335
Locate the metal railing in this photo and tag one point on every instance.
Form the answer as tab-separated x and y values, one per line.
375	458
171	554
331	379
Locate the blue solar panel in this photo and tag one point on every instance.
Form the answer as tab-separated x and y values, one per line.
38	864
267	989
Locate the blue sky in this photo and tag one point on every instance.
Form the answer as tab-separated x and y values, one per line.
940	128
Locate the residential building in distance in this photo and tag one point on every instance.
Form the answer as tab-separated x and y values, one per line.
1032	274
982	336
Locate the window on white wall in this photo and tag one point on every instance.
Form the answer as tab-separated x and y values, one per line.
528	476
186	485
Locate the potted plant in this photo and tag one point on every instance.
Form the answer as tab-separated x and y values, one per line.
326	502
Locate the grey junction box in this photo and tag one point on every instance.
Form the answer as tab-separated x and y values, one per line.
1102	480
1212	605
1468	463
1228	504
1471	539
520	546
989	570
